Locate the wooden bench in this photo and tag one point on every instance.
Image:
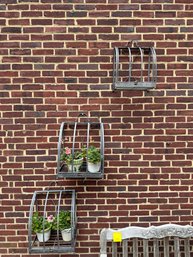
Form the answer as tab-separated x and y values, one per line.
168	240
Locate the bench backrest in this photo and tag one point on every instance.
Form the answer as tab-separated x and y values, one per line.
166	241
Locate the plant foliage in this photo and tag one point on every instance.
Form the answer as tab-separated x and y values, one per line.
40	223
93	155
62	221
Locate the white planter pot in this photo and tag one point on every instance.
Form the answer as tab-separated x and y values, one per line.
46	236
76	165
94	167
66	234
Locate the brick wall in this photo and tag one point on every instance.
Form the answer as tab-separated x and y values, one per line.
56	61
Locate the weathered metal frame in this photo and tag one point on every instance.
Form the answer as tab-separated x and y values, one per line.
56	244
133	234
131	83
88	126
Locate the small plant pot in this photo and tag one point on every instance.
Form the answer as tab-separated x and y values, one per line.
94	167
76	165
44	236
66	234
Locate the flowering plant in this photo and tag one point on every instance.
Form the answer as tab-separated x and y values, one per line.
68	156
41	223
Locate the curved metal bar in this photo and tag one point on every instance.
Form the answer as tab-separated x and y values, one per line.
153	68
149	65
154	65
117	63
141	53
44	216
115	67
73	144
102	145
74	136
87	144
73	214
130	63
59	145
30	221
58	211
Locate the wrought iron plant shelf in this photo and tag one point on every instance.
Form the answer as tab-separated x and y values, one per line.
134	68
45	211
77	142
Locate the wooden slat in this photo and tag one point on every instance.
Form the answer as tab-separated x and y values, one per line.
176	247
145	248
135	247
187	247
114	249
166	247
155	247
125	248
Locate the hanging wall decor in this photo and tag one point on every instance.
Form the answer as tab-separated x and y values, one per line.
52	222
81	149
134	67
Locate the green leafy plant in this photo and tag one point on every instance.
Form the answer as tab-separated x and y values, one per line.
40	223
93	154
62	221
68	156
84	151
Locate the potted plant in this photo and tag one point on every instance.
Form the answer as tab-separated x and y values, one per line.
93	159
42	226
73	160
62	222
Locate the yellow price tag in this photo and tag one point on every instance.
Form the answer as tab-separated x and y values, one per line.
117	237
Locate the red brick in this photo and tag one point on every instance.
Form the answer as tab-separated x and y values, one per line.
31	14
9	14
41	22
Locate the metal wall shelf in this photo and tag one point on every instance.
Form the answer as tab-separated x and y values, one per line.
75	136
51	202
134	68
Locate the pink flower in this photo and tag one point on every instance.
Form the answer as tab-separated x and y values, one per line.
67	151
50	218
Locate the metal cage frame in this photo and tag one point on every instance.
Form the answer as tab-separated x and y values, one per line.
84	173
55	244
131	82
